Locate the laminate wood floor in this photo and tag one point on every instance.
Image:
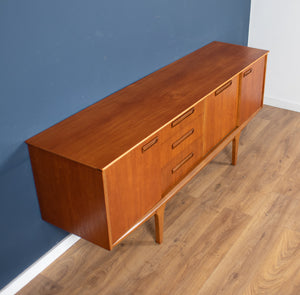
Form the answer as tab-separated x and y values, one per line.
232	230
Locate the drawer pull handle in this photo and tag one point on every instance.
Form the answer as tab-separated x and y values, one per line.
222	88
181	118
248	72
148	145
182	162
181	139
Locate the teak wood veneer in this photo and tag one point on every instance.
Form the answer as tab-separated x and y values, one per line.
105	170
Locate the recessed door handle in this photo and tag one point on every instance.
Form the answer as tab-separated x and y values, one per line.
148	145
248	72
182	117
222	88
181	139
188	157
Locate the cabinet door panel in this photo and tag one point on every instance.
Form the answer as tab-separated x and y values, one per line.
133	186
252	83
220	114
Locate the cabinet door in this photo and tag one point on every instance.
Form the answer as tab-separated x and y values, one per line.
133	186
220	115
252	84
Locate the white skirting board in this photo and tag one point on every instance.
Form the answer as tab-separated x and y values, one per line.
283	103
32	271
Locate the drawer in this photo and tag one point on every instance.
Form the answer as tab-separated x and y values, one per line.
181	165
181	140
179	124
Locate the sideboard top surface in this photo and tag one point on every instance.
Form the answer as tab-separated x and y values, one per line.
102	132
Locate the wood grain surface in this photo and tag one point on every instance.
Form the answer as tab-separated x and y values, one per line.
231	230
95	136
71	196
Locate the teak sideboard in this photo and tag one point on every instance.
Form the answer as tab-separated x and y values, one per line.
105	170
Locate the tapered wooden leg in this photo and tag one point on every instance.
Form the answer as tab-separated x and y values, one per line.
235	147
159	224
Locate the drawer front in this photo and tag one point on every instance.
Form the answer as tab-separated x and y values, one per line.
179	125
181	165
181	141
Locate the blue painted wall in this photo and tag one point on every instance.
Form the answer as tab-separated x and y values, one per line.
59	56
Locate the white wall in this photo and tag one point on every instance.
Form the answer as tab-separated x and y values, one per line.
275	25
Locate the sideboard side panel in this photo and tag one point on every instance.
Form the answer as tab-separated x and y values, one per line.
70	196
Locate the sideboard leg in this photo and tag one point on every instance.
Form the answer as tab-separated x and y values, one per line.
159	224
235	147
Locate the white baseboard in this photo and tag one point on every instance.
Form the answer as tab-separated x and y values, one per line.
33	270
282	103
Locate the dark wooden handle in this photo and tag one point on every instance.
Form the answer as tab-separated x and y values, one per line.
248	72
188	157
181	139
148	145
222	88
182	117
